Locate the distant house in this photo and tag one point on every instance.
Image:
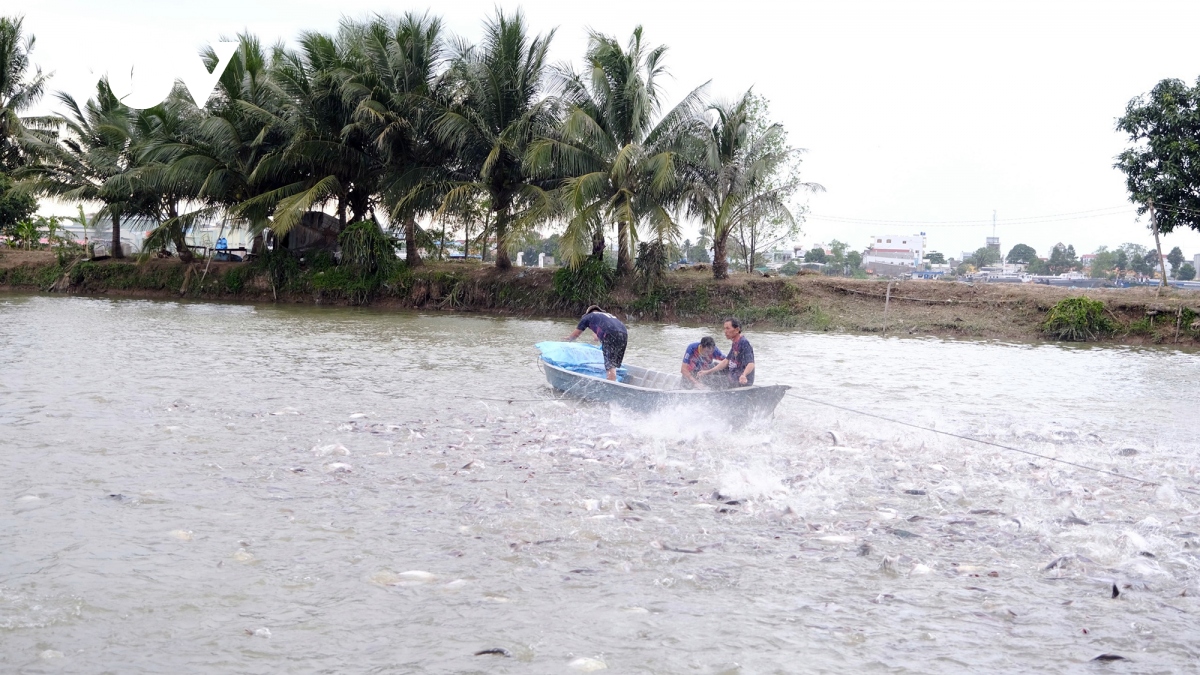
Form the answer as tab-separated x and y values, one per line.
894	254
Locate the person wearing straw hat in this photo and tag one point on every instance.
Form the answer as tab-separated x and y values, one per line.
610	332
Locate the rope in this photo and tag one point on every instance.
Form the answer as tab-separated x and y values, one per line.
983	442
932	302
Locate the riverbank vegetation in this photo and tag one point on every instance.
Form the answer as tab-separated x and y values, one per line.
394	122
1023	312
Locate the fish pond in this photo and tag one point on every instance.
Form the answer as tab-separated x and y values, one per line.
198	487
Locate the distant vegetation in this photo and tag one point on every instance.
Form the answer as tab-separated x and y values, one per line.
395	123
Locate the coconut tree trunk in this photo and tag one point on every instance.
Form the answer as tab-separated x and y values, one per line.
178	236
624	264
502	260
412	256
598	244
116	235
720	264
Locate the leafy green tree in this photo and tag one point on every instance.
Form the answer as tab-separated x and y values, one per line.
616	155
984	257
15	206
838	251
854	260
1062	259
1038	266
1151	259
935	258
95	160
20	89
1103	264
699	251
752	238
1140	266
27	233
327	157
400	89
815	255
1120	262
496	112
1021	254
1175	257
1162	166
1187	272
733	176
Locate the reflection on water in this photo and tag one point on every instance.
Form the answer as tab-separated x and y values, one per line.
201	487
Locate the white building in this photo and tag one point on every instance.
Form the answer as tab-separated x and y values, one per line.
890	254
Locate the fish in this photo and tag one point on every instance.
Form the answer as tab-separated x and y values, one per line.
334	449
338	467
587	665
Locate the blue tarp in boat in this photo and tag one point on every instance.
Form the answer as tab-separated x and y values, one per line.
579	358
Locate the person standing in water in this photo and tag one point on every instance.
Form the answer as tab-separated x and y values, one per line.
610	332
740	362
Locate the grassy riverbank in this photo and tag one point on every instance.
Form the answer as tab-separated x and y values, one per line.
1000	311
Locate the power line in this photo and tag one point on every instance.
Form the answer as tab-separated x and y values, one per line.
1027	220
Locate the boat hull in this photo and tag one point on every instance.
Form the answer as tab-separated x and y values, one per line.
740	404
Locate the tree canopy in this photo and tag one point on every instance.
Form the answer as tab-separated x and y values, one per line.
1021	254
390	120
1162	166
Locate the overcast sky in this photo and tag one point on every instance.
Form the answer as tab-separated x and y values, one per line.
917	116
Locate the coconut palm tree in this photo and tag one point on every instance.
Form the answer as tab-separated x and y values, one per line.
739	172
498	109
617	160
162	132
213	159
328	156
94	160
19	90
400	89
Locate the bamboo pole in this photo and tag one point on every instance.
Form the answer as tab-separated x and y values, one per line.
887	301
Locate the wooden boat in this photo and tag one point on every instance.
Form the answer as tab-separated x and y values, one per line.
649	390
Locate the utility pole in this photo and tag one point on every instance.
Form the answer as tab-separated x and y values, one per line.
1162	265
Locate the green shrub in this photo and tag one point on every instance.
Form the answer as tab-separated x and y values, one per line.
589	283
367	249
1142	326
234	279
281	267
651	264
1077	320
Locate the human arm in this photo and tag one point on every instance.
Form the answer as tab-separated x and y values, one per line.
572	336
747	358
749	369
721	365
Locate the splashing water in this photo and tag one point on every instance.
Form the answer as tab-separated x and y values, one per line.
547	534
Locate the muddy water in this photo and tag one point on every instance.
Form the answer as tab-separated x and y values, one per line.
226	488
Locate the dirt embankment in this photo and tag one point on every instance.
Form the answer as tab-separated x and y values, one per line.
994	311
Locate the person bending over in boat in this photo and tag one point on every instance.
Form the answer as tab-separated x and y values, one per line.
699	358
610	332
740	362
